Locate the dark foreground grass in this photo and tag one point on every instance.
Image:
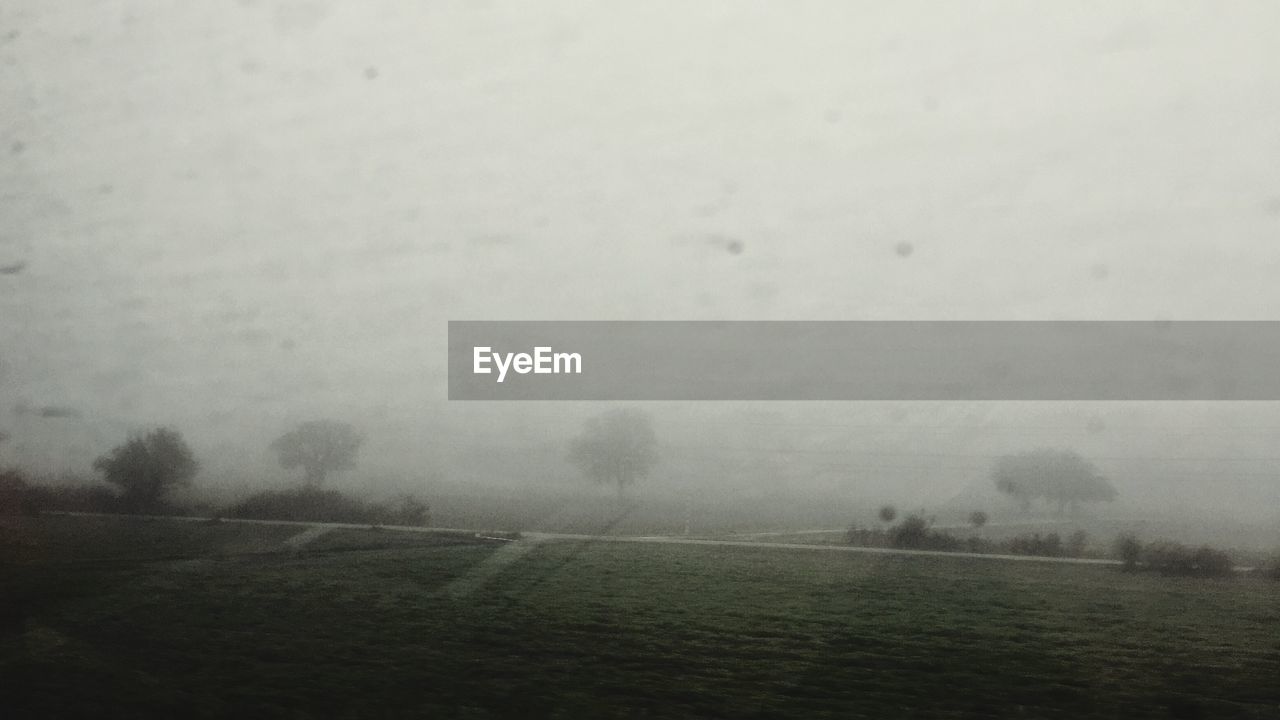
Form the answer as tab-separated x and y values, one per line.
624	630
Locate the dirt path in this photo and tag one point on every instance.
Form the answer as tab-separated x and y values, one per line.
304	538
479	575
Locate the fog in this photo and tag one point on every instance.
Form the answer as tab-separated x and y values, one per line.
230	218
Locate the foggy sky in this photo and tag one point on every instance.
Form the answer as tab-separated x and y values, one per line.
236	216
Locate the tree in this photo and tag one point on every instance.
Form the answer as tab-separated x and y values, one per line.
318	447
1077	544
912	532
616	448
1059	477
888	513
409	510
917	533
977	518
146	467
1128	548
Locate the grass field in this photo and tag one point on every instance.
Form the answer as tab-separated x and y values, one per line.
159	619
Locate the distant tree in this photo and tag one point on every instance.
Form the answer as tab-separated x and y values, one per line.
977	518
888	513
409	510
917	533
146	467
15	494
318	447
912	532
1271	569
1051	546
1077	543
1060	478
1128	549
616	448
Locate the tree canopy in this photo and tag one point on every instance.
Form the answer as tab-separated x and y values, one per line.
319	447
146	467
616	448
1061	478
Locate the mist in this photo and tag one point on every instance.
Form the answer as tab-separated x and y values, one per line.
240	476
233	219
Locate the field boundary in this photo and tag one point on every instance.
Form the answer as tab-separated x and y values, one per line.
651	539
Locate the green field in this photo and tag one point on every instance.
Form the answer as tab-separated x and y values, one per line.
158	619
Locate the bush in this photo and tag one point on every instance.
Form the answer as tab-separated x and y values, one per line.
19	495
1078	544
865	537
914	533
409	510
1170	558
978	545
1271	569
16	496
1047	546
1128	549
310	504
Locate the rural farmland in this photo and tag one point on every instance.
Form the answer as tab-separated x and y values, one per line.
230	619
681	360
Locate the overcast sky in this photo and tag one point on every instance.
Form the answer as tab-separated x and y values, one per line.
233	216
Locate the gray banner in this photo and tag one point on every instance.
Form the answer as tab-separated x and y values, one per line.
864	360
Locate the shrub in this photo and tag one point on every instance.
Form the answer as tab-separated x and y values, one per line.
1077	544
1171	558
1211	562
979	545
865	537
304	504
409	510
86	498
1271	569
16	495
20	495
1128	549
914	533
1041	546
311	504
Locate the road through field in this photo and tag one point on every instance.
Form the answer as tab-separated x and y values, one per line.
964	526
534	537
